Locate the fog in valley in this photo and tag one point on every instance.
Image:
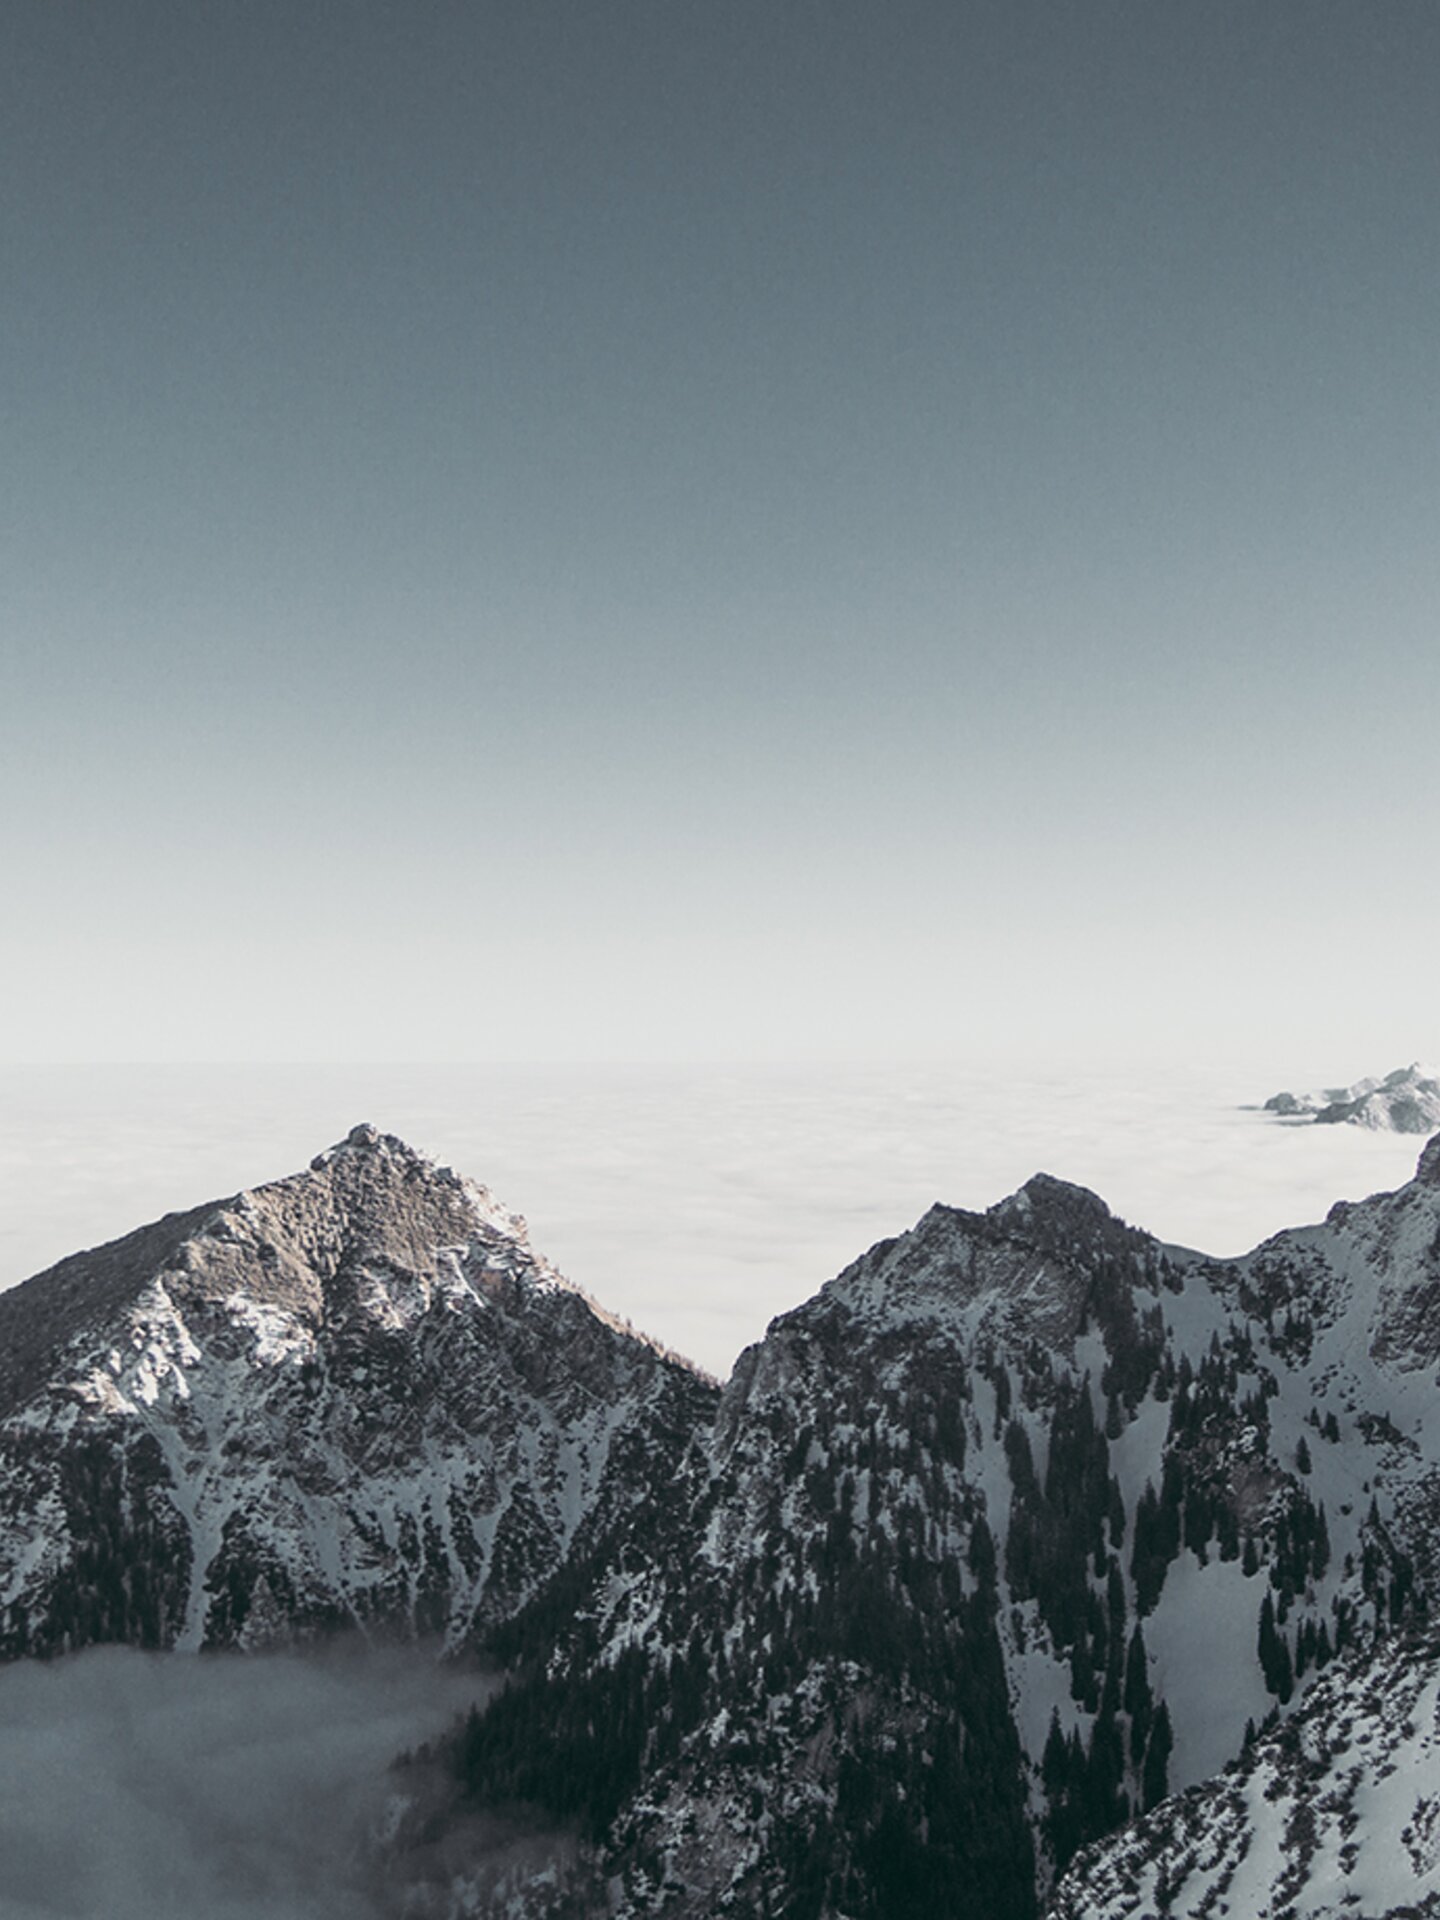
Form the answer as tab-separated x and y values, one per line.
169	1787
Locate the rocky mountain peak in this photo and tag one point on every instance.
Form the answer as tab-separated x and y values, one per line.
348	1397
1004	1535
1042	1263
370	1205
1048	1211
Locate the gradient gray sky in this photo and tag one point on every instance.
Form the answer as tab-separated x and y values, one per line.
661	530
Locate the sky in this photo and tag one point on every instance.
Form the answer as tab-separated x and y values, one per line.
738	532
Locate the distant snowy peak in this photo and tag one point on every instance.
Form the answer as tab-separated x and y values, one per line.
1405	1101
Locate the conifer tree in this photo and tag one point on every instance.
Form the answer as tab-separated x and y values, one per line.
1274	1652
1054	1769
1137	1699
1158	1749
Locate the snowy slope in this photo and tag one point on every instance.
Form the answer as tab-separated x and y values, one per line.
1333	1814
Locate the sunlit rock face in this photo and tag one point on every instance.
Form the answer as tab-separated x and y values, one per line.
352	1397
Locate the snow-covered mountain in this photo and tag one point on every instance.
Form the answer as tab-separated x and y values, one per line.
351	1397
1023	1523
1405	1101
1012	1530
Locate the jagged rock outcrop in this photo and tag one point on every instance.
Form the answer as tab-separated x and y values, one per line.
1405	1101
353	1397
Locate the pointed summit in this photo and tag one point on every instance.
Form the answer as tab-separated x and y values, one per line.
1046	1209
368	1139
359	1139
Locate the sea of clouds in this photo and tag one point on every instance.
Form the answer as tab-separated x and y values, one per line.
697	1201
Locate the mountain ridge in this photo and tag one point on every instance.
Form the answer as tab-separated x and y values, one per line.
1025	1520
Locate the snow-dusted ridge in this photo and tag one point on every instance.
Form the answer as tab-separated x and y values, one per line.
1333	1814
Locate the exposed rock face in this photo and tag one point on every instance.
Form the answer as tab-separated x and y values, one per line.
1406	1101
351	1397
